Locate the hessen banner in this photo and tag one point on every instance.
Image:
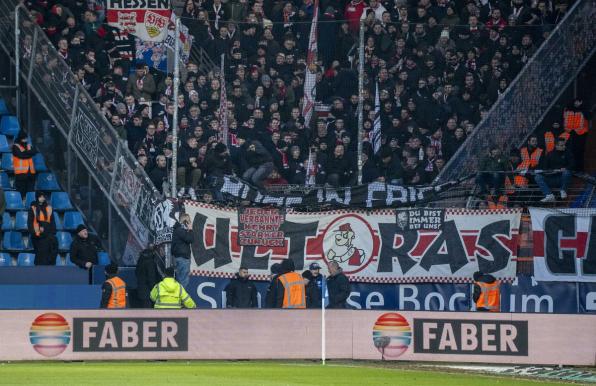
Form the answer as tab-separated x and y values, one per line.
370	246
564	244
146	19
371	335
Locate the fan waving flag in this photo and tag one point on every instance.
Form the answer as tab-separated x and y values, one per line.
375	134
310	79
146	19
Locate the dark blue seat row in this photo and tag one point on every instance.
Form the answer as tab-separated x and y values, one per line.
28	259
69	222
59	201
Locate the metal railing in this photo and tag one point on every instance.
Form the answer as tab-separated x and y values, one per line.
531	95
89	157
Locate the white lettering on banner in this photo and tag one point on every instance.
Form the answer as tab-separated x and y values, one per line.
468	337
591	301
508	335
130	334
87	333
149	334
108	336
168	336
370	303
448	339
139	4
86	137
488	337
368	245
428	335
526	299
408	294
203	296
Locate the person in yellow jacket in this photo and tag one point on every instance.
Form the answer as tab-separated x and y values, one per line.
169	294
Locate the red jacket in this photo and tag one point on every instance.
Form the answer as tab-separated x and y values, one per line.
353	13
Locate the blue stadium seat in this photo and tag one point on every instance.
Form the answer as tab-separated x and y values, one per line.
72	220
103	258
47	182
60	201
28	243
20	222
64	261
14	202
26	259
64	241
3	108
4	146
5	181
13	241
29	199
58	222
5	260
9	125
39	163
7	224
7	162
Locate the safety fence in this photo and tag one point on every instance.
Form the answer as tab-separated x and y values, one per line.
531	95
82	147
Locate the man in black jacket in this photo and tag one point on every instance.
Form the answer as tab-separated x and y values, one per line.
338	286
260	164
83	250
241	292
147	277
42	228
560	161
217	164
314	286
271	296
181	240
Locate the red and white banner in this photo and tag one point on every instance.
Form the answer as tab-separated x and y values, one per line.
146	19
564	244
383	246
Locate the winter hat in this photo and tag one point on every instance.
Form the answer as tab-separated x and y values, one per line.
288	265
220	148
80	228
112	269
40	193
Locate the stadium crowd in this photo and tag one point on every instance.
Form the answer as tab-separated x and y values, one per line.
439	66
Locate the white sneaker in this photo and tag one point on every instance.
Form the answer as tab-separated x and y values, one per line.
191	193
549	198
563	194
181	193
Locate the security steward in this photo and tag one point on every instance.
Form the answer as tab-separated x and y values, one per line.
290	287
169	294
22	160
487	292
42	228
113	290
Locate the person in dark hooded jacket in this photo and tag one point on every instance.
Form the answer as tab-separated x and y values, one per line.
260	164
271	296
147	277
181	239
241	292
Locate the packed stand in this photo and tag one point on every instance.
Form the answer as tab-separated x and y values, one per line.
438	65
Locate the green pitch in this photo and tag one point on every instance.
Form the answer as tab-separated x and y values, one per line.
237	373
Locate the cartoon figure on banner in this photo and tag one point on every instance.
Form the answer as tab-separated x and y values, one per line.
402	219
344	250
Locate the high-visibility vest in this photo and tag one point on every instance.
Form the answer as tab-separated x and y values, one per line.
23	165
294	292
167	298
575	121
549	141
528	161
500	203
40	216
118	296
490	296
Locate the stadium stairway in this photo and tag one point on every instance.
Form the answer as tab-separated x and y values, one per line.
16	247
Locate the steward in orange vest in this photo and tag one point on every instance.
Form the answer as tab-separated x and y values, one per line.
487	292
290	287
113	290
22	160
551	135
42	228
576	123
530	159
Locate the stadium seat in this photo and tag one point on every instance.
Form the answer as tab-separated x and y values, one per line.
60	201
7	224
64	261
26	259
20	222
29	198
14	202
39	163
28	243
5	260
3	108
103	258
13	241
47	182
7	162
72	220
58	222
64	241
5	181
9	125
4	146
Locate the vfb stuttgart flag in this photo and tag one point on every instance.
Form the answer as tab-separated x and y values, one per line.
146	19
